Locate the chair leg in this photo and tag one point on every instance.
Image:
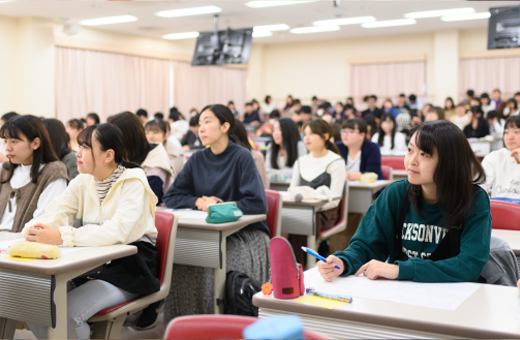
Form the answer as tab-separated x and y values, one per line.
110	329
100	330
7	328
117	327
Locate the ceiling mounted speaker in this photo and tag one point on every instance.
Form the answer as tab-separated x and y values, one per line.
71	28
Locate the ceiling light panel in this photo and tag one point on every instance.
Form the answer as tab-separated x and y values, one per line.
344	21
314	29
184	35
270	28
389	23
263	4
462	17
439	13
260	34
108	20
184	12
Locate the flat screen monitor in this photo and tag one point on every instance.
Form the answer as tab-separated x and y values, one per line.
229	47
504	27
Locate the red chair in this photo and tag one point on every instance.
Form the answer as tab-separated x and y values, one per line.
109	322
388	172
274	212
214	327
342	220
506	215
396	162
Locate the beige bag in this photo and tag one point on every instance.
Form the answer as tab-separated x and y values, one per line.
34	250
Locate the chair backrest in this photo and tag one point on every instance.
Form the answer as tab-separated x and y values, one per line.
274	212
505	215
166	224
214	327
387	171
396	162
341	222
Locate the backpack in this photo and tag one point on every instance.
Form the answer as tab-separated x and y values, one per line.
240	289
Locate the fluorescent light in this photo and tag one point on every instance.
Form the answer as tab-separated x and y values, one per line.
474	16
270	28
344	21
184	12
262	4
315	29
259	34
108	20
439	13
389	23
185	35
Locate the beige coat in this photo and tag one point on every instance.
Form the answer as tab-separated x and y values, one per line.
126	215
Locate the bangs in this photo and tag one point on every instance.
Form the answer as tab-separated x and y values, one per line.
425	137
85	136
512	123
10	130
154	128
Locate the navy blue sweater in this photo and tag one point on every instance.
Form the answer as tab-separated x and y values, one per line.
231	176
370	157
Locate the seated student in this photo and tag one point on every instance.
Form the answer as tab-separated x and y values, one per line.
191	140
461	119
487	105
359	153
389	140
401	104
478	127
266	130
231	106
60	145
372	108
127	218
285	148
33	176
241	139
350	112
251	116
404	121
503	166
142	114
220	173
496	125
92	119
339	111
151	157
434	226
323	166
5	118
73	129
388	107
435	113
157	131
178	125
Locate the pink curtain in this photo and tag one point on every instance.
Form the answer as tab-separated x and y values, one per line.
198	86
108	83
485	75
387	80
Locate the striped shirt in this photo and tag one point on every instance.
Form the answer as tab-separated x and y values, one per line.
104	186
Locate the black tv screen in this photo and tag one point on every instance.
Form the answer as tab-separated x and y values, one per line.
504	27
230	47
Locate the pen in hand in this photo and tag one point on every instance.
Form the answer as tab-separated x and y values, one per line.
318	256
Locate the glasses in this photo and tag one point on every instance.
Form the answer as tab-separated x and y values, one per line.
349	131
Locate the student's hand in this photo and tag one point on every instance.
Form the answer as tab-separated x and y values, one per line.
375	269
200	203
186	147
42	233
516	154
255	123
212	200
327	270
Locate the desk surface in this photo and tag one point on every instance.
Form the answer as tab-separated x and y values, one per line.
304	203
377	185
68	262
512	237
491	312
200	223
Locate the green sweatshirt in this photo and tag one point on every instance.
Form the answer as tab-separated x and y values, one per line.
375	239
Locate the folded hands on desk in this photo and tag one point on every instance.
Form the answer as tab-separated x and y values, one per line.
372	269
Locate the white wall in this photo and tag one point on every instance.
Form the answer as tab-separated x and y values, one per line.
8	57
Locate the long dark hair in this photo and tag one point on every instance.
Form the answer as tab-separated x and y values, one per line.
224	115
381	139
58	135
290	139
241	135
457	172
134	136
31	127
321	127
109	137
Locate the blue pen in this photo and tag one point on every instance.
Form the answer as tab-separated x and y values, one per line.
316	255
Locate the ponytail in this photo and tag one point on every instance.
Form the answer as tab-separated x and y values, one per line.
321	127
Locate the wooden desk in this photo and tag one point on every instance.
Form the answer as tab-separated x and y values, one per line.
512	237
491	312
36	290
400	174
203	244
279	186
361	194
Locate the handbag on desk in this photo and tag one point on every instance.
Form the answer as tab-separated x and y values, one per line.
223	212
286	273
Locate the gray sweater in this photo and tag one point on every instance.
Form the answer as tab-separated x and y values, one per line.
70	161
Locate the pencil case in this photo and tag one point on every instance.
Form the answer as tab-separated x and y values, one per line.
286	273
223	212
34	250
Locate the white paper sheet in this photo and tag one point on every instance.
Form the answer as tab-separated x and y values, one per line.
189	213
448	296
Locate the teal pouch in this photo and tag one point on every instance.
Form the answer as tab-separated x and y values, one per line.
223	212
